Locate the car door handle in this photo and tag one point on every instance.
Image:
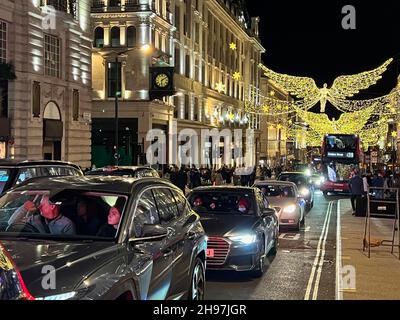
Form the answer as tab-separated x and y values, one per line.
168	253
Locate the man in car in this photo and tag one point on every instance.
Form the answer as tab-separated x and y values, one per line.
50	220
88	223
198	206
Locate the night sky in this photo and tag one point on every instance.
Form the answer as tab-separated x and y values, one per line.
306	38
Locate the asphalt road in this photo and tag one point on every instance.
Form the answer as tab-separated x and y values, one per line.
304	268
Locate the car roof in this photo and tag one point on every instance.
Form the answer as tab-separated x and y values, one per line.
116	168
224	189
28	163
274	182
88	183
293	173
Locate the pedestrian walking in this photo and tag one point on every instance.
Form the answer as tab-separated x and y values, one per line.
356	185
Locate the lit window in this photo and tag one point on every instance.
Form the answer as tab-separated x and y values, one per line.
3	42
52	56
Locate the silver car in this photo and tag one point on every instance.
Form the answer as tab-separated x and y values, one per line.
285	198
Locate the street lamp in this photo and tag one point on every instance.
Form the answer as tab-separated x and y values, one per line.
394	142
145	49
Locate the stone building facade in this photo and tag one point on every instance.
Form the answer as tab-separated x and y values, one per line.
48	43
214	48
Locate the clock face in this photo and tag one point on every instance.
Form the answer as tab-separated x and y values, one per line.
162	80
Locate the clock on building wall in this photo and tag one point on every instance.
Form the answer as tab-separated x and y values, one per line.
161	82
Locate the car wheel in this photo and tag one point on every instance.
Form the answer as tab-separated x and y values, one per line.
325	194
259	270
198	281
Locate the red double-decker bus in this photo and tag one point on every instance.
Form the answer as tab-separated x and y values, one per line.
340	154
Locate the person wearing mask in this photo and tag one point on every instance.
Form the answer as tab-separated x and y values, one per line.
243	206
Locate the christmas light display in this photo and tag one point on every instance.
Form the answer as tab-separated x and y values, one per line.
343	87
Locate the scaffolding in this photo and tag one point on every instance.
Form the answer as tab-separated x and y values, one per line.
382	203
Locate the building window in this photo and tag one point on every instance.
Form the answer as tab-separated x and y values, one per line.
115	37
3	98
75	105
114	79
68	6
36	99
99	37
196	109
187	66
131	36
114	3
52	56
187	106
176	109
3	42
177	60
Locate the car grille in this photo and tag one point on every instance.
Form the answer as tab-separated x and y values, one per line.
221	251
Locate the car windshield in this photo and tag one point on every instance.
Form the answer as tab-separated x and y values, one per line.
4	176
277	191
298	179
236	203
69	214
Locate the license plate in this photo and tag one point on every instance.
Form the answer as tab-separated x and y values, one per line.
338	190
210	253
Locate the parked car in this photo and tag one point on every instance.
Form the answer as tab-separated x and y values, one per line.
124	171
105	238
303	183
285	198
240	227
13	173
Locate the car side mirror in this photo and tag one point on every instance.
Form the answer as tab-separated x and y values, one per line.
151	233
268	212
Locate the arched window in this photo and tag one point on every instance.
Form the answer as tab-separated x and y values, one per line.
52	112
131	36
115	37
99	37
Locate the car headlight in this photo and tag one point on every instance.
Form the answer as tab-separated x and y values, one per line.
290	209
304	192
62	296
245	239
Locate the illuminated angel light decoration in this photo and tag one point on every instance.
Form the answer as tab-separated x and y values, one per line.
343	87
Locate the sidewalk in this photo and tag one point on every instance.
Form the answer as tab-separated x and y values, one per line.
377	278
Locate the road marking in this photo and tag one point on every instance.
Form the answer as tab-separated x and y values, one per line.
322	258
322	239
339	265
290	237
307	229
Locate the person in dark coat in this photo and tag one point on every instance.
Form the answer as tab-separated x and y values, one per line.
356	185
182	179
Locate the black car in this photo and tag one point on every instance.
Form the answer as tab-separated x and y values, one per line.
13	173
303	183
103	238
124	171
241	229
